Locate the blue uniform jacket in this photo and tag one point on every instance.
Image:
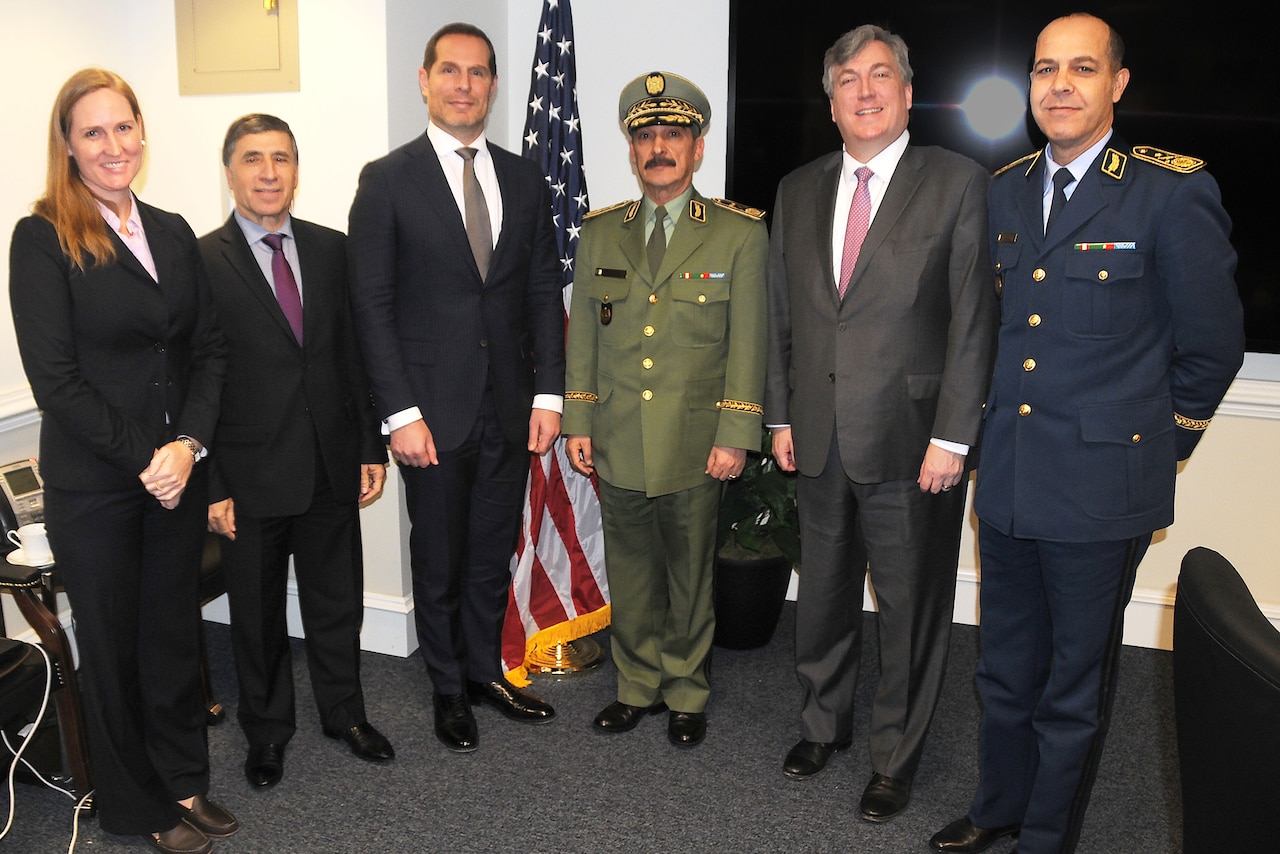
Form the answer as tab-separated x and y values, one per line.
1120	332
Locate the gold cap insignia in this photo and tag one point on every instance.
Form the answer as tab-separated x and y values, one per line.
663	98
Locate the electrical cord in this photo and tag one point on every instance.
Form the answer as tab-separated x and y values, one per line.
83	803
17	755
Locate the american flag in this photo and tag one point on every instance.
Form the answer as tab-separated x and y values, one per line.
558	588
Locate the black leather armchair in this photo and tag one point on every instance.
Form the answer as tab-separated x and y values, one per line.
1226	670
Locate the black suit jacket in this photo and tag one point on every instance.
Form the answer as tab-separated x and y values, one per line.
906	356
280	398
432	331
119	363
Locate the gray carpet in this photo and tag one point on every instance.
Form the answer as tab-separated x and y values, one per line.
563	788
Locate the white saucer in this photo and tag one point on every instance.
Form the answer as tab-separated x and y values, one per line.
19	558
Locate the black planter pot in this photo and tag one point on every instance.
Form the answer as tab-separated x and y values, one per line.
749	597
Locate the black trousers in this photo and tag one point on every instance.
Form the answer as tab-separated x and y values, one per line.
130	569
329	568
465	514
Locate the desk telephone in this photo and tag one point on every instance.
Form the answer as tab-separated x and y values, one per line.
23	494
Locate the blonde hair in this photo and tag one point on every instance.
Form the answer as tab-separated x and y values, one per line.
67	202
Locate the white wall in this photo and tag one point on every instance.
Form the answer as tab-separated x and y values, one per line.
359	97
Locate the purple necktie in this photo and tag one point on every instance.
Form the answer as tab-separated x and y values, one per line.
286	286
856	229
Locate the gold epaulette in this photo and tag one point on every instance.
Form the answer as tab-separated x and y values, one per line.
739	208
740	406
1181	163
597	211
1191	423
584	396
1004	169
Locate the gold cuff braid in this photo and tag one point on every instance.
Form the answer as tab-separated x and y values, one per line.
741	406
584	396
1191	423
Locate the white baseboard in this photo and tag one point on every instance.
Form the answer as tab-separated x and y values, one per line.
1148	621
388	621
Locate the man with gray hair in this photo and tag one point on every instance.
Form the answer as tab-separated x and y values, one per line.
297	451
881	338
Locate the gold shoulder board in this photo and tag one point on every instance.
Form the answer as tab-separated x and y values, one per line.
1030	157
1182	163
597	211
739	208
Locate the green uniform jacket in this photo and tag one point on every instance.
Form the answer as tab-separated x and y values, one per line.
661	368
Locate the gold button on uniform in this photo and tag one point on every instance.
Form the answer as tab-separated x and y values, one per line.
648	363
1102	275
1137	437
1029	365
702	298
646	394
648	332
653	297
1024	409
1038	274
1033	320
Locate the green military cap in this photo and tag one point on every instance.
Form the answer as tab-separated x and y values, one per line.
661	98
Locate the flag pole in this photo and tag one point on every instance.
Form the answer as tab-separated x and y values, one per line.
559	589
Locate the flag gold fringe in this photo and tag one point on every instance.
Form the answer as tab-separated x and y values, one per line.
569	630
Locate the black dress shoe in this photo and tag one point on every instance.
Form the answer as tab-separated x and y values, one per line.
964	837
265	765
620	717
687	729
511	701
183	839
455	724
209	818
809	757
365	742
884	797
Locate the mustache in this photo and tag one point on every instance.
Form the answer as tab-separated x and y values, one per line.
659	160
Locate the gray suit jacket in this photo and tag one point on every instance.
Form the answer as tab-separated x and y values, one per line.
906	355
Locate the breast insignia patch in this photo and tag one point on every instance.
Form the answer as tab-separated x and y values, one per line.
1182	163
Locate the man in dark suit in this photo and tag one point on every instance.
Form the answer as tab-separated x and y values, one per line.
456	289
298	450
1121	332
882	324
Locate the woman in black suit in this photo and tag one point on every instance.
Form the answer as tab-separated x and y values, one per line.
116	331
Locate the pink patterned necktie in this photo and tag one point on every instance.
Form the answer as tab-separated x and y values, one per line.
856	229
286	286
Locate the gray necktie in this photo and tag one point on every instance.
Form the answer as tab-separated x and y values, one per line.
479	229
1061	179
657	240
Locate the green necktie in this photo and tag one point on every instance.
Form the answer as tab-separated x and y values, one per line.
658	240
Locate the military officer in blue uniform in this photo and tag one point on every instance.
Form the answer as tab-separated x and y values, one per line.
665	380
1121	329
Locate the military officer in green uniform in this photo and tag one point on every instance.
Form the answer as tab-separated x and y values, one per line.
664	385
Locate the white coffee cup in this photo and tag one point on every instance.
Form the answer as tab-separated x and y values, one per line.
34	542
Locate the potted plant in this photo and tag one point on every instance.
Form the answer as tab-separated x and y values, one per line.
758	545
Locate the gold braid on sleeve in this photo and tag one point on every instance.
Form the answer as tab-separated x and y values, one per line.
584	396
1190	423
741	406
